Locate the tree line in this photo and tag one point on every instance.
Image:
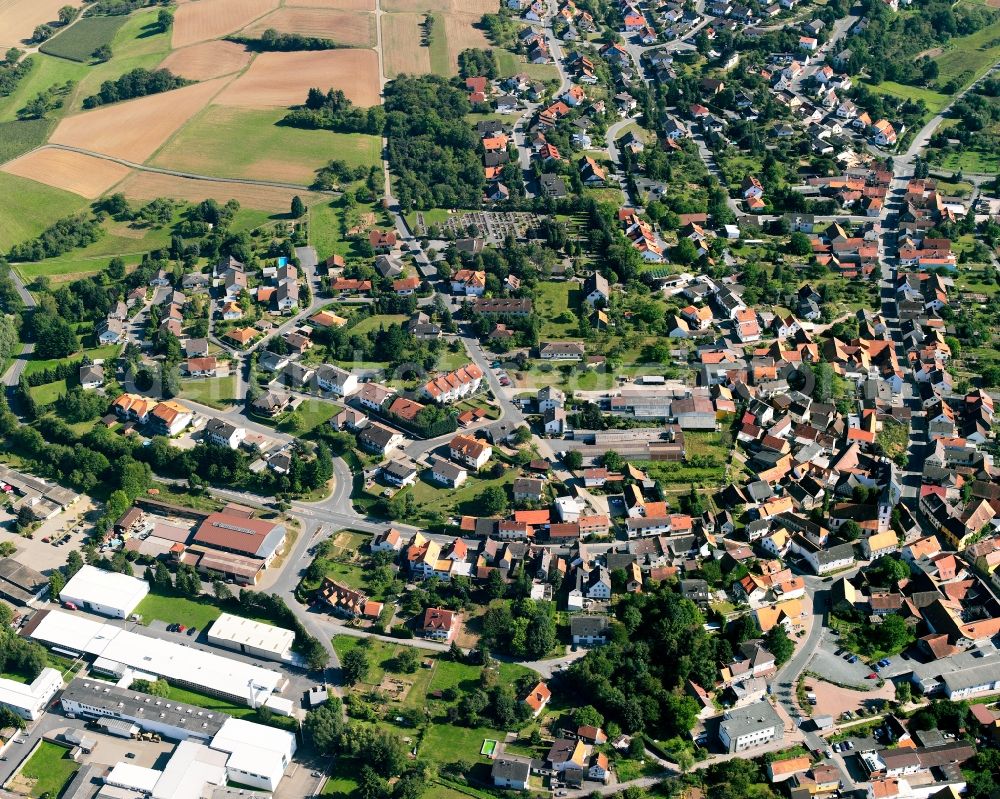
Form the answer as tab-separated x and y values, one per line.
273	41
138	82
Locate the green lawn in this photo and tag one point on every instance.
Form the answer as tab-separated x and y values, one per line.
376	321
511	63
311	414
95	353
177	609
342	781
47	393
267	149
37	207
216	392
983	162
79	42
51	767
330	221
555	304
433	500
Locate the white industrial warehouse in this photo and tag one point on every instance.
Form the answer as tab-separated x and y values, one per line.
251	637
117	651
103	592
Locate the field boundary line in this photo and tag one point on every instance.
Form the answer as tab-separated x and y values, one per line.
188	175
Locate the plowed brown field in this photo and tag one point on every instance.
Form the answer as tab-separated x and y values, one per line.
209	19
278	80
81	174
207	60
135	129
150	185
351	28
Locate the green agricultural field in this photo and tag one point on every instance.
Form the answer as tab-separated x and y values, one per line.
438	49
138	43
51	768
968	57
934	101
79	42
119	240
37	207
45	71
267	149
19	136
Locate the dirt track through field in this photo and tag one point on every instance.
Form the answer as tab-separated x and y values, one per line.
209	19
150	185
278	80
135	129
81	174
351	28
19	18
207	60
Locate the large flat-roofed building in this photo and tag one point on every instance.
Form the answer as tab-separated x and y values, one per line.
191	768
242	535
251	637
117	651
258	756
751	726
103	592
28	700
976	680
95	699
20	584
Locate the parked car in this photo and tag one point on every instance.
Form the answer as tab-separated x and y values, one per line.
872	676
181	628
192	630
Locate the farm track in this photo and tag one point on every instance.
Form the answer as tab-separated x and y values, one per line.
188	175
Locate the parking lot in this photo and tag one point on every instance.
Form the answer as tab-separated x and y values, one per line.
833	700
835	668
42	555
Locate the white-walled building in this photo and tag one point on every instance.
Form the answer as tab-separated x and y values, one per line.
251	637
28	700
117	651
103	592
258	755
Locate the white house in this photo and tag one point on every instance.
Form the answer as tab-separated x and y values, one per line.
336	380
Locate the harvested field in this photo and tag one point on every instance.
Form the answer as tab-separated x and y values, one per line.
19	18
150	185
279	80
209	19
351	28
207	60
461	35
81	174
337	5
475	7
135	129
401	48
